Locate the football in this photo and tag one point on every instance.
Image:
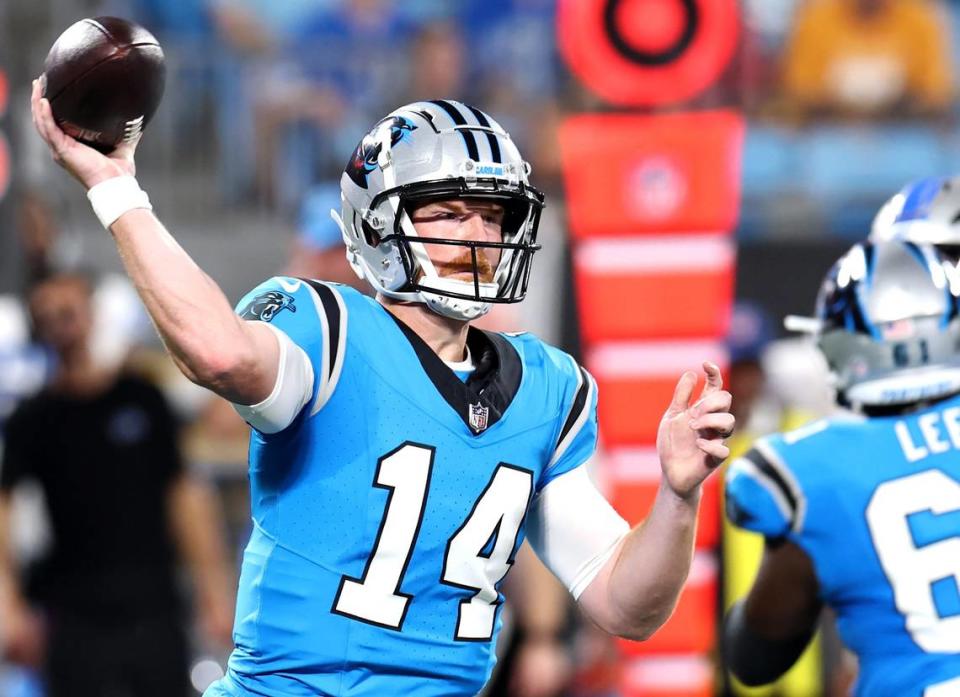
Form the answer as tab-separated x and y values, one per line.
104	80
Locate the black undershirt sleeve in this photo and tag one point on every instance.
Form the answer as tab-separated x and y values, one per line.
756	660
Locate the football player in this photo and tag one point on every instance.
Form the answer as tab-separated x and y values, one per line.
861	511
398	456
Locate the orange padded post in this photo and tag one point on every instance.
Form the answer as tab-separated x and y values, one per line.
668	676
636	382
652	175
675	287
632	476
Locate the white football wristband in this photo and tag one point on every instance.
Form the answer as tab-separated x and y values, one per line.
114	197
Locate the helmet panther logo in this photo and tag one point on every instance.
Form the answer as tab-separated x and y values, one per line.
265	306
364	158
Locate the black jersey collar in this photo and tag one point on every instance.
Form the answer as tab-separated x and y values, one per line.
491	387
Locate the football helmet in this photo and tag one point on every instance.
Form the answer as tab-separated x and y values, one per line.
432	151
887	322
927	210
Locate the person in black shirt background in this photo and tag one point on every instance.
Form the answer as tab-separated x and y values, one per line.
103	447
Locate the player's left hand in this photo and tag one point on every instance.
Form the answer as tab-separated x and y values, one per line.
690	440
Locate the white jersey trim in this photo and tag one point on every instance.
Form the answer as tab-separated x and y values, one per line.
291	391
574	529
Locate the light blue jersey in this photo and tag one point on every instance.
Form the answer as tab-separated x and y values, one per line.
875	504
388	514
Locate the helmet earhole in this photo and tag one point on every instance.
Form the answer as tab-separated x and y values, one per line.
371	236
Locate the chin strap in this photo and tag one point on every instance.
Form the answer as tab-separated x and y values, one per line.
455	308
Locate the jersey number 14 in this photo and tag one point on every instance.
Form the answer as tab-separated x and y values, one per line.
470	562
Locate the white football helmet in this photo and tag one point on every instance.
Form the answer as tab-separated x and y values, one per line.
888	324
429	151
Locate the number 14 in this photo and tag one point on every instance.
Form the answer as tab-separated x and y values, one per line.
498	513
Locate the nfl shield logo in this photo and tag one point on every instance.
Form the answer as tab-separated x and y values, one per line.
478	417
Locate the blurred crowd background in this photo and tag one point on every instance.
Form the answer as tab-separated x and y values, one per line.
844	102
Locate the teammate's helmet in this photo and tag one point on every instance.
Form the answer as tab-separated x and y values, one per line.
428	151
888	324
927	210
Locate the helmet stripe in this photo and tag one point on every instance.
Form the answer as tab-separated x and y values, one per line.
469	139
920	195
491	137
428	117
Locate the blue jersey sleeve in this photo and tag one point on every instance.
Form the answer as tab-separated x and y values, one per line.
761	493
577	439
313	315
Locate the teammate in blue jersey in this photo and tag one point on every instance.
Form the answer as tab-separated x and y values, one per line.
398	455
861	511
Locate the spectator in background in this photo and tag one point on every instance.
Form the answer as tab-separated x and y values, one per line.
314	70
436	63
268	99
506	34
38	232
103	447
359	50
317	251
869	58
24	367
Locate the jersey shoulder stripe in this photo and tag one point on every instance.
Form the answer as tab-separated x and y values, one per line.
332	313
579	411
762	494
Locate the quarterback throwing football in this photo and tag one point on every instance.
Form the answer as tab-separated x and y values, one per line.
398	455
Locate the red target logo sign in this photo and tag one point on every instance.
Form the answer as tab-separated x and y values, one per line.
647	52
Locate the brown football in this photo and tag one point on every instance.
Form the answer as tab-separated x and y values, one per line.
104	80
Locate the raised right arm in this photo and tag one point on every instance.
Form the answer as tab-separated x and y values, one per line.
212	346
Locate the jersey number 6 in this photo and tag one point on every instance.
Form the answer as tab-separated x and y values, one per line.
914	570
469	563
